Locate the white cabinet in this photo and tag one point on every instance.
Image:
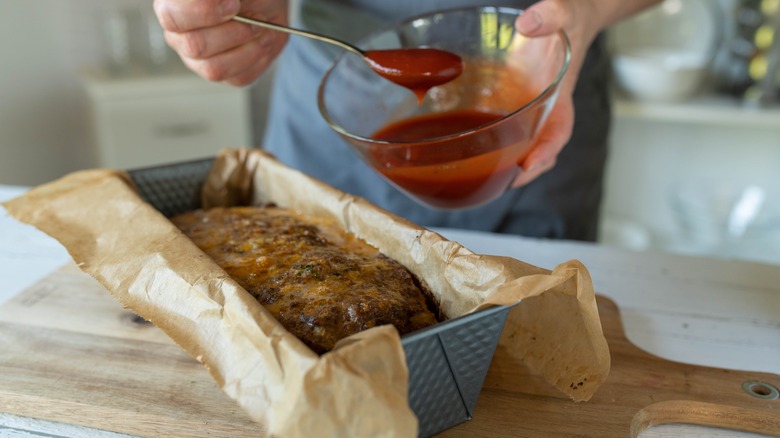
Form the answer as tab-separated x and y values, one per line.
657	149
147	120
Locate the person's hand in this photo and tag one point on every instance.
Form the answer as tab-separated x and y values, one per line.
582	20
218	48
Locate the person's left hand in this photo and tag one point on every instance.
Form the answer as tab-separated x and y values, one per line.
545	18
550	141
582	20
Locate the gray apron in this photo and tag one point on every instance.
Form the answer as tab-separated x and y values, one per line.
562	204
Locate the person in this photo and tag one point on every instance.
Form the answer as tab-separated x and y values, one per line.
556	195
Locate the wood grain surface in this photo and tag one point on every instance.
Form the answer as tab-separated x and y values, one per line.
642	390
70	353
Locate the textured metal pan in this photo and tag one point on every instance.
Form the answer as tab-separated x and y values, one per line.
447	362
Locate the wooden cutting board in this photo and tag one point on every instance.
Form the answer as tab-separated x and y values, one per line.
70	353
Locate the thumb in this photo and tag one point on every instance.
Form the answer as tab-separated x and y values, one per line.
543	18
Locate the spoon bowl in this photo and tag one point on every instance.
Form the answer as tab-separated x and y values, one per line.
416	68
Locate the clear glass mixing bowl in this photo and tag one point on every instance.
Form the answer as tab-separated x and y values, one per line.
512	78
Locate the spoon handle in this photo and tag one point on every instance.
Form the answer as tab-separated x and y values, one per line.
316	36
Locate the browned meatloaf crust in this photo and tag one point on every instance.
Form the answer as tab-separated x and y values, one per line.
321	283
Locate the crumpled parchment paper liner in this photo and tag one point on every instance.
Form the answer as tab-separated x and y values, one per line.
359	388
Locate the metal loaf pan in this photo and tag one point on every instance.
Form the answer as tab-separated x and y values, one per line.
447	362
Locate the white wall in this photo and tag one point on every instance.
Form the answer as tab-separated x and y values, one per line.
42	123
44	46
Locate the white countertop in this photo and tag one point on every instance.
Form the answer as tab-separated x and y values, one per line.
702	311
26	254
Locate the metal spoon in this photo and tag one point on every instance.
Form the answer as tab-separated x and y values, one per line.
418	69
292	30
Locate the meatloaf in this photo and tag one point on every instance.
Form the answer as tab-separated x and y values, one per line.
320	282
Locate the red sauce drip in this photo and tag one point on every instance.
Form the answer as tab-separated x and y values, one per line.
418	69
459	172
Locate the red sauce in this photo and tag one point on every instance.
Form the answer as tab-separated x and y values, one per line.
418	69
456	172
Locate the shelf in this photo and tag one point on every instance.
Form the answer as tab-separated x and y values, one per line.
144	120
707	110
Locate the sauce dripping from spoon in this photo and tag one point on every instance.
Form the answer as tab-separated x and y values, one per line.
418	69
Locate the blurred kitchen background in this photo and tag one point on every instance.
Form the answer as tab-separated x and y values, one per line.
695	148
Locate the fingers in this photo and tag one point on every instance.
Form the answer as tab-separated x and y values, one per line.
207	42
232	65
249	75
214	46
543	18
187	15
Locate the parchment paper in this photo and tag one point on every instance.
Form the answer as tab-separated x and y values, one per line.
359	388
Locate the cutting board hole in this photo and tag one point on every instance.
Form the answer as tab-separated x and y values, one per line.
134	320
761	390
139	320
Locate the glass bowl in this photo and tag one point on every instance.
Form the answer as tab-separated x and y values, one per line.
463	145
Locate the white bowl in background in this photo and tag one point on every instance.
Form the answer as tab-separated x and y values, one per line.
661	74
664	54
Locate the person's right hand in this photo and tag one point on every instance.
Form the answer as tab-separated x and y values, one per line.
218	48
